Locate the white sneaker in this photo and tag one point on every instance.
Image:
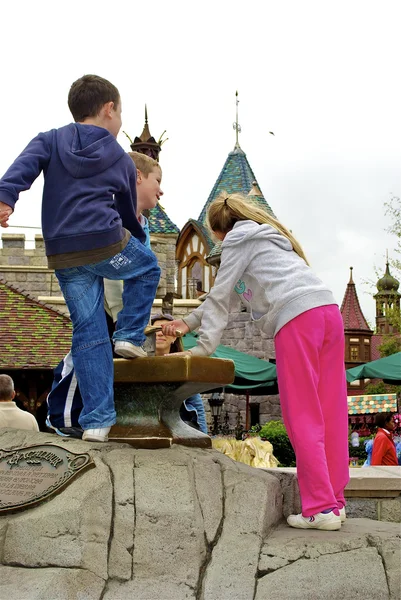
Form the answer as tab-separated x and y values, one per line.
96	435
343	516
128	350
325	521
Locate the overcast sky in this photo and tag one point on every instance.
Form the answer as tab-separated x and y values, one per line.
324	76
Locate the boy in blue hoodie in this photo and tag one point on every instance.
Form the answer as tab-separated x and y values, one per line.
91	231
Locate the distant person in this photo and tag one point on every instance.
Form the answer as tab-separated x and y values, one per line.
10	415
384	452
91	231
369	448
263	266
64	400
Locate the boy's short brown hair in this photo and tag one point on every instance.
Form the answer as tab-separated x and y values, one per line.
145	164
88	94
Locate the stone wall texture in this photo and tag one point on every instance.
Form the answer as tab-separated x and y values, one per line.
183	523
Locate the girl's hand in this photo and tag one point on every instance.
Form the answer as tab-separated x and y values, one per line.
175	328
185	353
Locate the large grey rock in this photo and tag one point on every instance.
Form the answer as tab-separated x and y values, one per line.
70	530
121	464
183	523
49	584
252	505
169	542
352	574
362	560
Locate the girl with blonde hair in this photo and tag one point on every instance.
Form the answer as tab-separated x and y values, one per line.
264	267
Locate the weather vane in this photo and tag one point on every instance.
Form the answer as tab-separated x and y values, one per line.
236	125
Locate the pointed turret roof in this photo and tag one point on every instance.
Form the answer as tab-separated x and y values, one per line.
146	143
160	222
351	311
236	176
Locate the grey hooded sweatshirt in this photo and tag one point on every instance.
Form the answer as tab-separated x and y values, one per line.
260	268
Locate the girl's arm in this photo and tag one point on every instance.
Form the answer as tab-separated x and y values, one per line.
215	309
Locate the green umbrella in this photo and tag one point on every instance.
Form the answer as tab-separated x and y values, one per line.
251	373
387	368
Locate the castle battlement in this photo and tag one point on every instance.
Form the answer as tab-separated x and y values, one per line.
27	267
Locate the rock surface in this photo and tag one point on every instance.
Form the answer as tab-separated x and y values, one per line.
183	523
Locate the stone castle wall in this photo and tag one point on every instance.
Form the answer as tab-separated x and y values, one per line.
27	268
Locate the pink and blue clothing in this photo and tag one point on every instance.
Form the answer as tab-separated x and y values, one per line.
291	304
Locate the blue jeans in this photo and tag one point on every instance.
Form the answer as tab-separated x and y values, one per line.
194	404
82	288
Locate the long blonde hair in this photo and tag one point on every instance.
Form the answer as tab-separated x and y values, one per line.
227	209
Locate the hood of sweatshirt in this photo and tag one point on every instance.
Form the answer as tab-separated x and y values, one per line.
87	150
249	230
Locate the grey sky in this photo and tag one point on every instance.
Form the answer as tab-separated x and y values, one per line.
323	76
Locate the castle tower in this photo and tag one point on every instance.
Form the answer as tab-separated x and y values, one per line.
146	143
358	335
163	232
197	253
387	303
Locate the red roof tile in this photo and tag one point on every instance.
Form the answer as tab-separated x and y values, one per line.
376	341
351	311
32	335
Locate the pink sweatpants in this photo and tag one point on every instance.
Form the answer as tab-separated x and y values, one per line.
313	397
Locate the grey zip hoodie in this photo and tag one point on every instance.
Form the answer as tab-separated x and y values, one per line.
260	268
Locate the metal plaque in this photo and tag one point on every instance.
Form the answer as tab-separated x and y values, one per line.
35	473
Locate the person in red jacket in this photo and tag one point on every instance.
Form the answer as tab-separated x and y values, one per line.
384	453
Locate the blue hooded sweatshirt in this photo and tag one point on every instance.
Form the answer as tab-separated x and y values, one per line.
89	193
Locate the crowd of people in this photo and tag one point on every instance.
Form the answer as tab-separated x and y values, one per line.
94	231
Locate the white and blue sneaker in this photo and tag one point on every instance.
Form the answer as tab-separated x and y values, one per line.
343	515
96	435
325	521
128	350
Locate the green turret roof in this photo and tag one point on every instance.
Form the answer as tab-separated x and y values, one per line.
160	222
236	176
388	283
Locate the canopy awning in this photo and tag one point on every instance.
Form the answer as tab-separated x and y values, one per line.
363	405
251	373
387	368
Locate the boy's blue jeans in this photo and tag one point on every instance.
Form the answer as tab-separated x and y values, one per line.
82	288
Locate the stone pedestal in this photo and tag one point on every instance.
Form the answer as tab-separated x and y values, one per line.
148	393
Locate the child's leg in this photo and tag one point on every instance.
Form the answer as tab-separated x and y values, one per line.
298	345
194	404
91	348
137	266
64	400
333	395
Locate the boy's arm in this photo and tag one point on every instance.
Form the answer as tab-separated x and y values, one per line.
5	212
23	172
